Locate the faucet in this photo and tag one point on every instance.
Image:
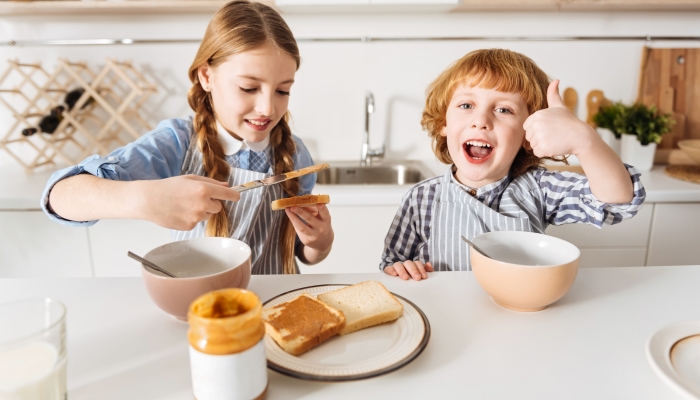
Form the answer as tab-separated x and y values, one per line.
368	153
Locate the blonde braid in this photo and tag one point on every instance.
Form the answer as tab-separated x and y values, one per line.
213	156
237	27
283	148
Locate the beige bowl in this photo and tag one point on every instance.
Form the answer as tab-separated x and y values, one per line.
691	147
528	272
201	265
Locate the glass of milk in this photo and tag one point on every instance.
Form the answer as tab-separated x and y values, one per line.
33	350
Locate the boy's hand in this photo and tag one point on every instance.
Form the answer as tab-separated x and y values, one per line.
409	269
555	131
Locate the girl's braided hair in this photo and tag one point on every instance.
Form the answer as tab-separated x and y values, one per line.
237	27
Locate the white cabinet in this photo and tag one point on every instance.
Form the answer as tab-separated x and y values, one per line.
623	244
675	235
111	239
32	246
359	239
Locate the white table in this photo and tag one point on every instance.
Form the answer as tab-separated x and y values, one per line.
589	345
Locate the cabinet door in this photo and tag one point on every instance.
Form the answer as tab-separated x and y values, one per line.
32	246
675	235
359	239
111	239
633	232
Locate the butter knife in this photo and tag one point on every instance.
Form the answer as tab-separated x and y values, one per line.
273	180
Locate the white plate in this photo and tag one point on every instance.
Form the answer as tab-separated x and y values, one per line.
674	354
363	354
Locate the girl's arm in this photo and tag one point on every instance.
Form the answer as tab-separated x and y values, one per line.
176	203
140	180
554	131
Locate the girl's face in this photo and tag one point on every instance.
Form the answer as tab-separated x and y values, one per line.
484	131
250	90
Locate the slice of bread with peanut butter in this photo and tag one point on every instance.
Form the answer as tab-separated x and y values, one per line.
305	200
301	324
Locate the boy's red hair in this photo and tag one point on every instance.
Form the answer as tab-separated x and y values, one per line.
498	69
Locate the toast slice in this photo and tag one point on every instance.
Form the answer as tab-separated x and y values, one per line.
304	200
300	324
364	304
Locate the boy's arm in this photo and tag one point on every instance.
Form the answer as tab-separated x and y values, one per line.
554	131
567	198
407	237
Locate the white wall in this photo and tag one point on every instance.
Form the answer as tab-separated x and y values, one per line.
328	99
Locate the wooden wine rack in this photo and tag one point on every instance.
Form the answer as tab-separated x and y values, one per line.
106	116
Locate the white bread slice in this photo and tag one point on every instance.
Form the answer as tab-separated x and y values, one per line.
364	304
300	324
304	200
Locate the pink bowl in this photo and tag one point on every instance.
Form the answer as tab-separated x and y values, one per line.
528	271
201	265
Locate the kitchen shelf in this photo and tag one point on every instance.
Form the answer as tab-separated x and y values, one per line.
577	5
128	7
114	7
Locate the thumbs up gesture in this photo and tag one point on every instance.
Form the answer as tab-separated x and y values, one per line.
555	131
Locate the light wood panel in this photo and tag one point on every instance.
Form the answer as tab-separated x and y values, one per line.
671	81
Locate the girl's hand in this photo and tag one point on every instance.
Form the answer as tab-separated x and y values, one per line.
555	131
409	269
183	201
313	225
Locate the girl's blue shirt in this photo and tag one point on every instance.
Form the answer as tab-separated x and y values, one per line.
159	154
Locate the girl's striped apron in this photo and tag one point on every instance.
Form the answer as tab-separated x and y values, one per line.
456	213
251	218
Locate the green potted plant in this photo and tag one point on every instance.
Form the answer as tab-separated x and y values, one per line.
642	128
605	121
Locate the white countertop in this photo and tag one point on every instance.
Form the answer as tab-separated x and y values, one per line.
589	345
21	191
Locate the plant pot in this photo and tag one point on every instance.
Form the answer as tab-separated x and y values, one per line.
610	139
633	153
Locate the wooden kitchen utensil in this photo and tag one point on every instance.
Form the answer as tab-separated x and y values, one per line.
594	101
570	99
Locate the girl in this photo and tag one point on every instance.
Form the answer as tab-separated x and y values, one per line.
494	116
179	175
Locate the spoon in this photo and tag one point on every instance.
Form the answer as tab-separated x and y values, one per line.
475	247
151	265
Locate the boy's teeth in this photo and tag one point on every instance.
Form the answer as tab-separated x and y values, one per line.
480	144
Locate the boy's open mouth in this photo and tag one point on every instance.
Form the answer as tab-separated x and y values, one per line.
477	151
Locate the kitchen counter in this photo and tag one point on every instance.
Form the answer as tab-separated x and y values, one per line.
590	344
23	192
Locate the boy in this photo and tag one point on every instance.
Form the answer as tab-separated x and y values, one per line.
495	117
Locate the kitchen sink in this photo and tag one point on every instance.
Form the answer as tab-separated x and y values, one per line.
380	173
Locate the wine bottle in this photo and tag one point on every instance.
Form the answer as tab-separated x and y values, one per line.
29	131
73	96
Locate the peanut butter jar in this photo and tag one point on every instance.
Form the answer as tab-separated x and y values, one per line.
227	352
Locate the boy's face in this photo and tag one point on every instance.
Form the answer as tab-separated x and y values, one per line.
250	90
484	131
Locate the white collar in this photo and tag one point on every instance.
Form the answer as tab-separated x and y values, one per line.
232	145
